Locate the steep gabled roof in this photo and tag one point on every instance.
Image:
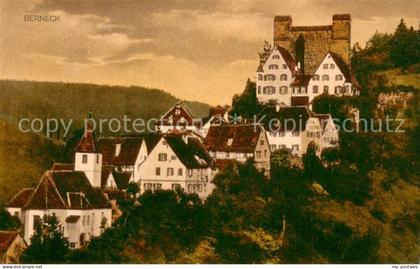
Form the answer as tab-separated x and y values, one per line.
345	69
288	58
191	153
178	115
66	190
105	173
292	118
130	148
107	145
323	120
122	179
21	198
6	240
241	138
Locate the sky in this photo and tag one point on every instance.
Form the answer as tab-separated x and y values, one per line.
201	50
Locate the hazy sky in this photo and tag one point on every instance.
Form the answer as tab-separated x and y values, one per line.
197	50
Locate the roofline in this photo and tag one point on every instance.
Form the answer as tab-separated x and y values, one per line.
182	104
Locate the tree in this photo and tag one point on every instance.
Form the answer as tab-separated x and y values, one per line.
312	164
404	46
47	243
246	104
7	221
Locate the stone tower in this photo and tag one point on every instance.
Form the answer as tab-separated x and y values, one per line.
312	43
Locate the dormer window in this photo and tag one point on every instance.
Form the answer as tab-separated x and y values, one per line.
230	141
84	158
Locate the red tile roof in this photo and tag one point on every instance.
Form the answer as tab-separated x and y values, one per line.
341	17
244	138
66	190
291	118
178	115
6	239
88	142
21	198
288	58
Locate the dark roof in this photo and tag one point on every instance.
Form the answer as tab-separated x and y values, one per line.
341	17
299	101
323	119
222	164
6	239
21	198
177	118
244	138
66	190
301	80
88	141
105	172
189	151
288	58
292	118
345	69
63	166
218	110
122	179
130	146
72	219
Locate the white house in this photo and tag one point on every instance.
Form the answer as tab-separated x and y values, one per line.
280	79
178	161
125	154
217	116
74	196
295	127
240	143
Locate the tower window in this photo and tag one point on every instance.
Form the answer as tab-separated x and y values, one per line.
84	158
97	158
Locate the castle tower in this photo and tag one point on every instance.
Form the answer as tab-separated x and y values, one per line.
282	35
341	36
88	157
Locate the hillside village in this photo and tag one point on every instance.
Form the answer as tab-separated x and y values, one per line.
186	153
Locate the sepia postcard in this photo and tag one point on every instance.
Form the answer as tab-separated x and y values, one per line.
209	132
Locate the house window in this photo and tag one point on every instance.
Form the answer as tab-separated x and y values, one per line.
97	158
176	186
295	147
265	153
326	89
282	134
332	66
162	157
261	142
180	171
173	157
283	90
283	77
338	77
295	133
284	66
269	77
170	171
338	89
258	154
316	77
273	66
273	147
157	186
315	89
84	220
37	221
260	76
269	90
230	141
88	220
325	66
325	78
259	89
16	213
147	186
177	112
275	57
158	171
190	172
84	158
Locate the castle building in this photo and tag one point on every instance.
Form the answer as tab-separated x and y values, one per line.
306	61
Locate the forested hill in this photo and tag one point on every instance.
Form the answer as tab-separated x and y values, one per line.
30	99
